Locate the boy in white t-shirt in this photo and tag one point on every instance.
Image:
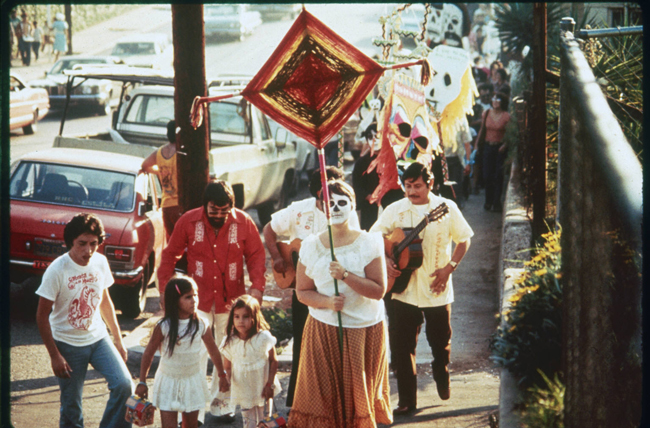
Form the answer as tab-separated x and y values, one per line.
73	300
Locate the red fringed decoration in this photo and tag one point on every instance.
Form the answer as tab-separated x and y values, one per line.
313	82
196	111
385	163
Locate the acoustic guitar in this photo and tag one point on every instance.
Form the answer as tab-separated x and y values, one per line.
289	252
404	248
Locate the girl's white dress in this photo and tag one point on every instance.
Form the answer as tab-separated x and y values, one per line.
250	368
180	384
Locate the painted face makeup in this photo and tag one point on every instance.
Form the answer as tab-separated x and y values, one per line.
340	208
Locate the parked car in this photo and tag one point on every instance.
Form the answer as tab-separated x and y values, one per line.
230	21
270	11
48	187
95	95
151	50
27	105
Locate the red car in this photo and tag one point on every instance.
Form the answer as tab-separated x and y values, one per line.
27	105
49	187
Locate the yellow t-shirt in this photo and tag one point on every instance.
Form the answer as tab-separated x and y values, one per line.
167	174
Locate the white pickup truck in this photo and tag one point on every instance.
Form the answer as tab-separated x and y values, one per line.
260	166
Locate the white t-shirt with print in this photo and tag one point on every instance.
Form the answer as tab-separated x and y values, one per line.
76	292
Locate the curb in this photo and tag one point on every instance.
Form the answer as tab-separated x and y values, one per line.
516	237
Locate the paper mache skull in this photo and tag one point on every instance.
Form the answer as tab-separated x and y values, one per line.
449	64
449	24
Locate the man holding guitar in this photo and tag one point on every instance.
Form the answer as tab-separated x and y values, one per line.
298	221
427	293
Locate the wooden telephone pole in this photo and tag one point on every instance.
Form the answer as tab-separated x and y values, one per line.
189	81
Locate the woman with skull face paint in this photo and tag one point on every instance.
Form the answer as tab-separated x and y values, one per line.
350	387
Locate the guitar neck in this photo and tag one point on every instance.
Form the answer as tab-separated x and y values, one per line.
411	236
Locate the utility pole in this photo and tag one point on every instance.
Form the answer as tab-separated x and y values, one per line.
189	81
68	18
538	122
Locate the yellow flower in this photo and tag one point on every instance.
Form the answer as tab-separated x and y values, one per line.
541	272
558	275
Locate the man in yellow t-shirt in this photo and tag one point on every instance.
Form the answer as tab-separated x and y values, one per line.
162	162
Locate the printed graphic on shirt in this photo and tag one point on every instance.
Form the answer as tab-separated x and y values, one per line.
199	269
199	232
167	181
84	278
83	307
232	271
232	235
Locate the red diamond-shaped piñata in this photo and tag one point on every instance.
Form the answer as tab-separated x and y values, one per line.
313	82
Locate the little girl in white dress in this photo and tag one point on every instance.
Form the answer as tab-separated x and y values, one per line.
180	385
249	358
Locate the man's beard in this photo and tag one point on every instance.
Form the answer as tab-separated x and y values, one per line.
216	222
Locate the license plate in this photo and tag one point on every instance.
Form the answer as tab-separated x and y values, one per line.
49	248
41	264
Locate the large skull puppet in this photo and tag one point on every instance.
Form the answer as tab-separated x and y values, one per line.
449	65
435	32
449	24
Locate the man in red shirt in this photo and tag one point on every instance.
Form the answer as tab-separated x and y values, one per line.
218	238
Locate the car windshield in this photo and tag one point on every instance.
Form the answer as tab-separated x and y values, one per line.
152	110
135	48
220	10
72	185
68	64
228	118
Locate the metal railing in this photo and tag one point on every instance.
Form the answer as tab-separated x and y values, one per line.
600	210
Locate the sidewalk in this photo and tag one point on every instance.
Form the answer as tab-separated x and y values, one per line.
100	39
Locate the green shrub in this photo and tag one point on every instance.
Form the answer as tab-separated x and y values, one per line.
545	405
280	322
530	334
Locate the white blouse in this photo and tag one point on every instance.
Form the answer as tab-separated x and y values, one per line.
358	311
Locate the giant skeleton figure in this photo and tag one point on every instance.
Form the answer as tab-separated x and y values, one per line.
448	24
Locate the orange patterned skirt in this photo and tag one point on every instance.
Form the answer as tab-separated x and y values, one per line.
331	393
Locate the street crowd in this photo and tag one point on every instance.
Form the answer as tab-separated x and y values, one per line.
27	36
353	300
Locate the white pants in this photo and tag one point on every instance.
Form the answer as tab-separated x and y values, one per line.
218	322
252	417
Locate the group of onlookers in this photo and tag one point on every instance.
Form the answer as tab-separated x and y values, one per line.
27	36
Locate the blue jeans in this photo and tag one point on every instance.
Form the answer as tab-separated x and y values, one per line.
104	358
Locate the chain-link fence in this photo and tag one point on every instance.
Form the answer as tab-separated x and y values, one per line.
600	211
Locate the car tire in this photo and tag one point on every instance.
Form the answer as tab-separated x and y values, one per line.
24	299
105	110
32	127
133	299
